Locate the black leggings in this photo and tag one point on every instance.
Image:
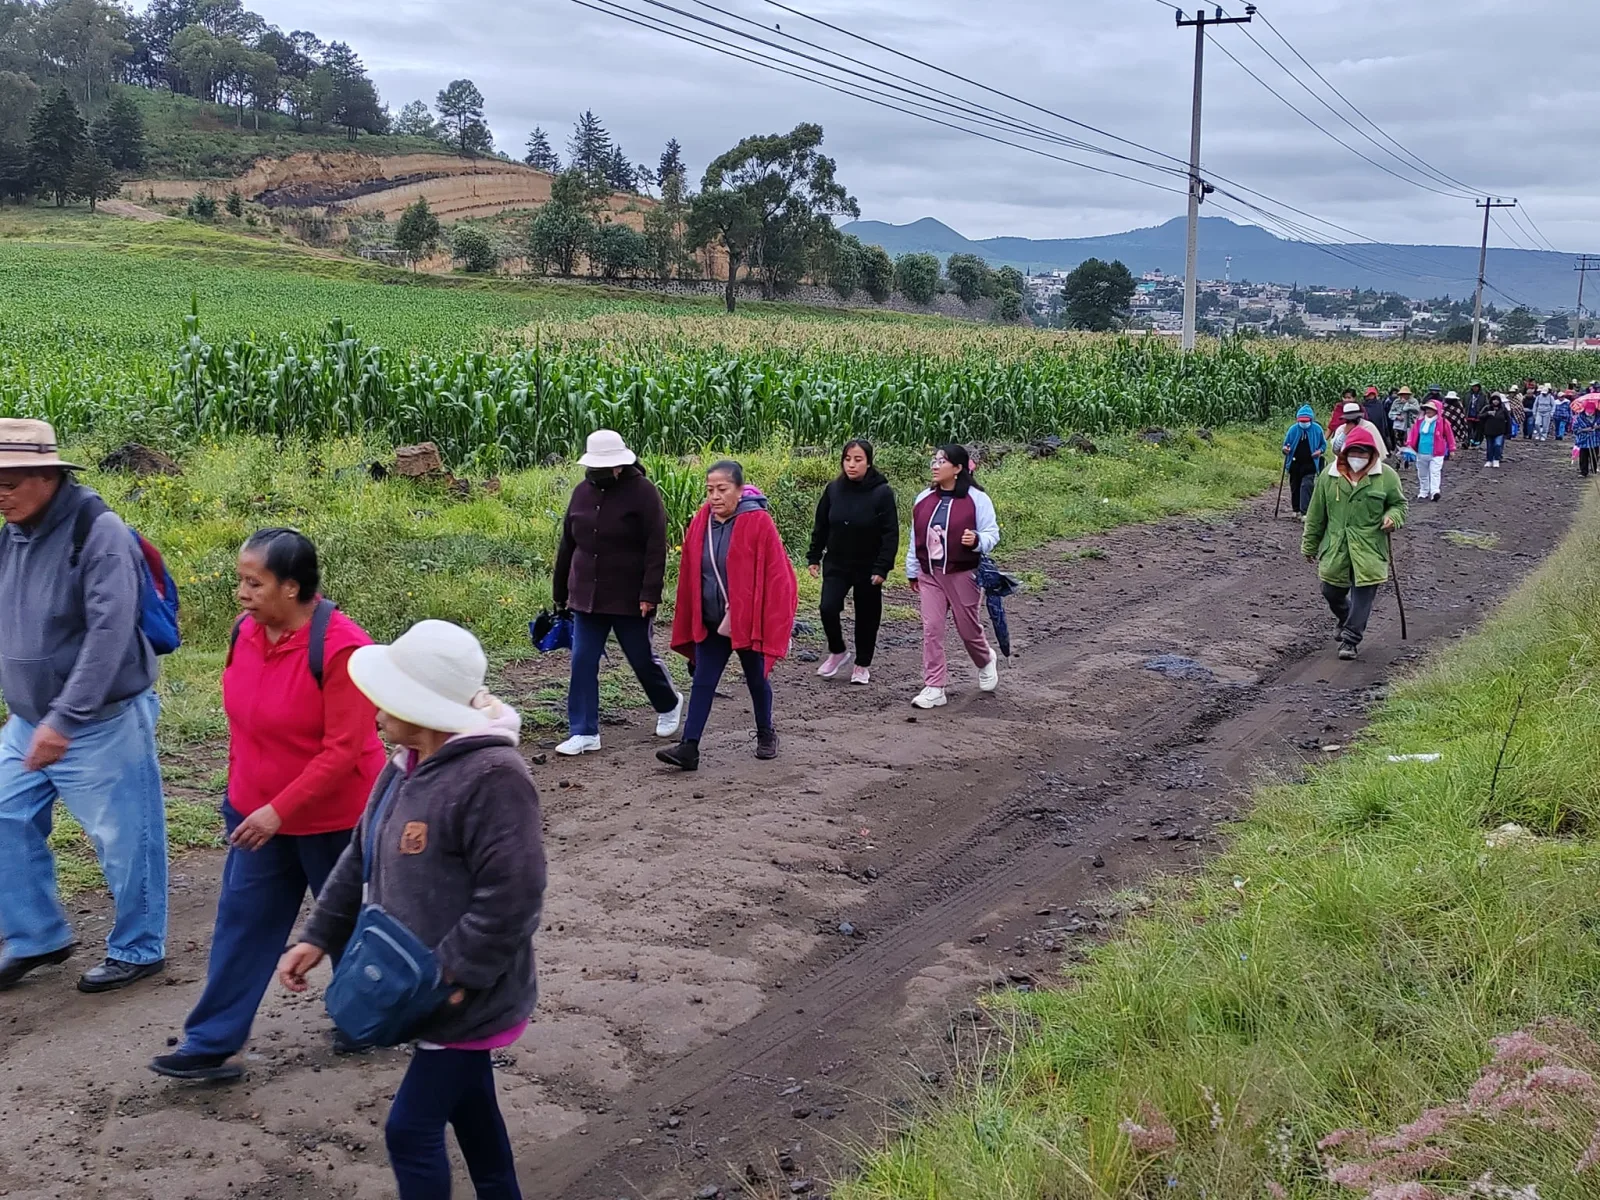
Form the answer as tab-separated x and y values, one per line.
869	613
449	1087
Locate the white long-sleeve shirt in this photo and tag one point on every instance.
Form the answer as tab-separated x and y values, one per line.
988	528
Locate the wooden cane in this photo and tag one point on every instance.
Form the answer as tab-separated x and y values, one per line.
1282	475
1395	574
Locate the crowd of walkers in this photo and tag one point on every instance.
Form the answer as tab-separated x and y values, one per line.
425	861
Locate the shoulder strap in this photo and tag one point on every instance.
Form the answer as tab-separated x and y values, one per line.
233	640
318	637
379	811
711	549
88	513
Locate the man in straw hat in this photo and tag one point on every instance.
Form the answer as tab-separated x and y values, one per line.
78	677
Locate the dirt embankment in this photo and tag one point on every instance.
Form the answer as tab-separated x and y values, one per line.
743	968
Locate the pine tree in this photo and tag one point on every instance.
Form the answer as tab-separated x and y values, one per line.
461	116
671	164
56	139
119	135
93	177
16	173
415	120
540	155
620	174
590	149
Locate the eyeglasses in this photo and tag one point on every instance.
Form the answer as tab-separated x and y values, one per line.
939	460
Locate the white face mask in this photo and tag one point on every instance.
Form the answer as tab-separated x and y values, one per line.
1358	462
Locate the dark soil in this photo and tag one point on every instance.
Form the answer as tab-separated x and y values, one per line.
746	969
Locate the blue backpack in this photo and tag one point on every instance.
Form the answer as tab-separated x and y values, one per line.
158	594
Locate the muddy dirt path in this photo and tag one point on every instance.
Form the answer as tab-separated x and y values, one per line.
746	969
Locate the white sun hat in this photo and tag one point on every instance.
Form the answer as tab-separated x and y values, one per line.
607	449
428	676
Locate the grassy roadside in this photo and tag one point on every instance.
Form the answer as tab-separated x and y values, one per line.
1314	1015
396	552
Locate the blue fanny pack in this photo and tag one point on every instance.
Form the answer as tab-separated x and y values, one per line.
387	982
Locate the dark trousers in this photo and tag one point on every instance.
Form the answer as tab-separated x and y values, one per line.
1527	426
589	633
869	612
1588	460
1301	484
1474	430
262	891
449	1087
1353	607
710	660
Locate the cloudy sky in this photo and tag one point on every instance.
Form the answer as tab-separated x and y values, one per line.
1503	95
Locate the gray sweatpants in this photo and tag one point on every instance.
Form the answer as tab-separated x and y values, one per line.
1353	607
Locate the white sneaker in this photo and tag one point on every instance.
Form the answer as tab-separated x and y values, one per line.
578	744
930	697
861	675
833	664
667	723
989	676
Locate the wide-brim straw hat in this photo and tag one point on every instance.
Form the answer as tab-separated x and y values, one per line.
605	448
1405	391
25	444
429	677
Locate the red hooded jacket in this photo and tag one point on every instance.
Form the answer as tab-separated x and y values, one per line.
763	594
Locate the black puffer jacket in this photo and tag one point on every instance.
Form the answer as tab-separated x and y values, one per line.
857	529
460	861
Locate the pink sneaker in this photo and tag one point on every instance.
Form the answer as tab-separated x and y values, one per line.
832	665
861	675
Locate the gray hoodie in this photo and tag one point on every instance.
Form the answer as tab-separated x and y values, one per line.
460	861
720	534
71	652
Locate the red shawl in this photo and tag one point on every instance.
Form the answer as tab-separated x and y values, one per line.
763	594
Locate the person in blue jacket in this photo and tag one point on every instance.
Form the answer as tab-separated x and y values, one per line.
1303	449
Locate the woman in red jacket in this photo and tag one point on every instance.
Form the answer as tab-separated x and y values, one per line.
303	753
737	594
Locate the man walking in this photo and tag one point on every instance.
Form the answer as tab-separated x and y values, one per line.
1475	405
78	677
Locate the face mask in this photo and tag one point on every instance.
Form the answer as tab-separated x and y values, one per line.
601	477
1358	462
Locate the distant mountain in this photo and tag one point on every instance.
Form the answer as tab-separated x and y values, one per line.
1540	278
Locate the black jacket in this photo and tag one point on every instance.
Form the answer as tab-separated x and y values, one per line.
613	551
460	861
1496	422
857	530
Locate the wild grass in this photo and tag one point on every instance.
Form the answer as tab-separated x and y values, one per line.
1343	965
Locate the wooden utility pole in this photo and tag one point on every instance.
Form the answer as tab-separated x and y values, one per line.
1488	204
1197	186
1586	263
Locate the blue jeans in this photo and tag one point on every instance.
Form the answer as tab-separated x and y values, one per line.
1495	449
449	1087
710	660
262	891
110	781
589	632
1561	424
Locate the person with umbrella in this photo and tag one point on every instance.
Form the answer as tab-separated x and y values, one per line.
1357	503
1586	432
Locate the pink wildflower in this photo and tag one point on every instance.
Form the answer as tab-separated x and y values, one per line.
1520	1048
1591	1156
1275	1190
1485	1090
1404	1191
1340	1136
1562	1080
1429	1125
1155	1135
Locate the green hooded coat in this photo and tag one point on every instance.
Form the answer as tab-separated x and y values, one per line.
1344	527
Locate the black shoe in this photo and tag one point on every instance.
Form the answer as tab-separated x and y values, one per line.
343	1043
200	1068
685	756
14	970
114	974
766	743
1347	650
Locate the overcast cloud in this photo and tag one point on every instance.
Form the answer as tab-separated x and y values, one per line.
1503	94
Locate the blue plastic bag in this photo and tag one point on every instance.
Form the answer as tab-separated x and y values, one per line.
551	631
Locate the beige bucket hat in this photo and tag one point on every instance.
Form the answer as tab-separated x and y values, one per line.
26	444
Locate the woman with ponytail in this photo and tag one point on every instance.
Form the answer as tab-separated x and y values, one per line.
952	526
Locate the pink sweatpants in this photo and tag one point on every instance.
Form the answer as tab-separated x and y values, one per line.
960	595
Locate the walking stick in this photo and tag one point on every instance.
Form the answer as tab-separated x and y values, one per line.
1281	476
1398	598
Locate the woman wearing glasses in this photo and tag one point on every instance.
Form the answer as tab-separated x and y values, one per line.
952	525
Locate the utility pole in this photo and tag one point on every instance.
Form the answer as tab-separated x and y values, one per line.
1586	263
1488	204
1197	186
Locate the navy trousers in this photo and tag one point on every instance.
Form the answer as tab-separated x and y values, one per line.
262	891
710	661
589	633
456	1088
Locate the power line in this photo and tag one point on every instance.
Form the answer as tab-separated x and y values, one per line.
1536	235
1516	243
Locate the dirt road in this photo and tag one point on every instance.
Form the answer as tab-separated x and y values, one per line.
744	969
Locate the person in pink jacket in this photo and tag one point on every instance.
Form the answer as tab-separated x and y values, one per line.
1429	443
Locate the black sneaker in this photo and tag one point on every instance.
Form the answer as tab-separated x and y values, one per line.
114	974
685	756
766	743
1347	650
14	970
199	1068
